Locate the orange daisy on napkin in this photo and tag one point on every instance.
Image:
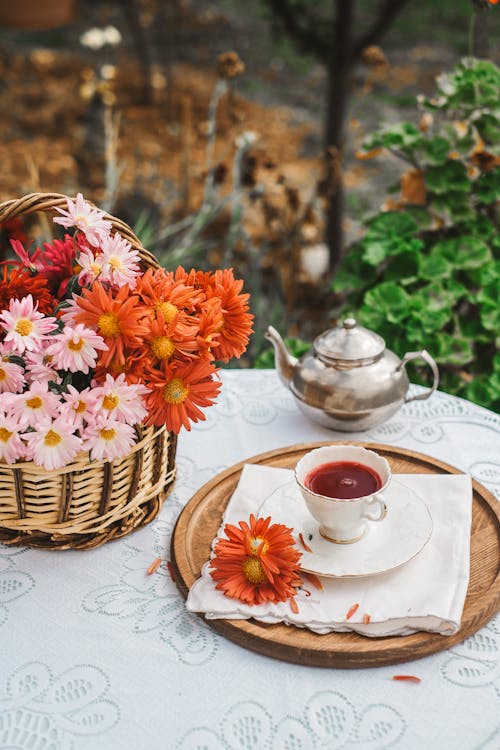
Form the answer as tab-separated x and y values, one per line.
257	563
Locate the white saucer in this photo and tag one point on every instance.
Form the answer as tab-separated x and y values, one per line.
386	545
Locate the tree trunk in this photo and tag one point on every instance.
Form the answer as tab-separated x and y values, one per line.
340	65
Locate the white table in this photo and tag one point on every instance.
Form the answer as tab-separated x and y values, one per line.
96	654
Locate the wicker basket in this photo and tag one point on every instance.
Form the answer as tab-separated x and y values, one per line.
86	503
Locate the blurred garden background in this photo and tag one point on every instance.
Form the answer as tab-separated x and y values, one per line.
342	157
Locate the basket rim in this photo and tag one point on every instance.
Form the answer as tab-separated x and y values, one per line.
46	202
81	460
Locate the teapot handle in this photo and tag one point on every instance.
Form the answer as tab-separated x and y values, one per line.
423	354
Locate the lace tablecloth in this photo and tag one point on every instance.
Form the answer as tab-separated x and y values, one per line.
96	654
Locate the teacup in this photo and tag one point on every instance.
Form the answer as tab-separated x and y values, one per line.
358	475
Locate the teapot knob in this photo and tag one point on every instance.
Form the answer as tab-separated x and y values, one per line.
349	323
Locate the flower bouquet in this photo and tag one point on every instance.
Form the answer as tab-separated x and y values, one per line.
104	357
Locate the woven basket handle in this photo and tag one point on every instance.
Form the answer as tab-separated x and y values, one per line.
48	202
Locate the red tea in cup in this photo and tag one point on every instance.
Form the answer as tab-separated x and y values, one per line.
344	480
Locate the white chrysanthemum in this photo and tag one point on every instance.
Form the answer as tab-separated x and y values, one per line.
25	327
75	349
120	262
35	404
121	400
12	447
53	444
11	376
89	220
107	439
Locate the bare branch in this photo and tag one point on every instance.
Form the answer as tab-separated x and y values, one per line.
385	17
302	27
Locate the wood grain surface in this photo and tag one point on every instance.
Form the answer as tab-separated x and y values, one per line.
199	523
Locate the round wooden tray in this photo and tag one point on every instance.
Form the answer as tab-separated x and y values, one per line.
199	523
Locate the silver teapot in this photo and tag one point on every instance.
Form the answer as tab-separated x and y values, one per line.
349	381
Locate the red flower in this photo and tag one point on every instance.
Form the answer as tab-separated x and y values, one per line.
19	282
57	263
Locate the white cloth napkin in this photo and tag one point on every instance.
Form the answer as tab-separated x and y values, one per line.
426	593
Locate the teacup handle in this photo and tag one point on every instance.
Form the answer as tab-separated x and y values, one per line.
378	502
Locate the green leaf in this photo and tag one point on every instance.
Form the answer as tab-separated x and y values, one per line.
464	252
488	127
485	392
487	187
401	136
392	224
456	208
353	273
449	177
454	350
434	266
488	298
402	268
436	150
390	302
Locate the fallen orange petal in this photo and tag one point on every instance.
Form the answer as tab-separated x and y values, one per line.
366	619
314	580
352	610
293	605
154	566
406	678
303	543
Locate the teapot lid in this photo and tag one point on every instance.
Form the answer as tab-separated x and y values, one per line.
349	344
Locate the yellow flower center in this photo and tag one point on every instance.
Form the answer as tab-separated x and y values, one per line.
75	346
24	327
255	543
162	347
3	374
52	438
110	401
107	433
81	221
253	570
115	262
176	391
5	434
169	311
95	268
79	407
34	403
108	324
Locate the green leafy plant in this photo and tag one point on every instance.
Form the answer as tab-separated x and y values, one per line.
426	273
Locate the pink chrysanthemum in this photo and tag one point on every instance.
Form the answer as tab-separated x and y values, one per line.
78	406
84	217
40	367
52	444
75	349
24	325
108	439
120	262
12	447
11	376
91	266
35	404
121	400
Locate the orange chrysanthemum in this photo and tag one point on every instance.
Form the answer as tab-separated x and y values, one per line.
177	392
237	321
160	291
116	316
258	562
164	339
17	283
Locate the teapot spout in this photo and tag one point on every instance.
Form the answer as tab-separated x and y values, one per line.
284	361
